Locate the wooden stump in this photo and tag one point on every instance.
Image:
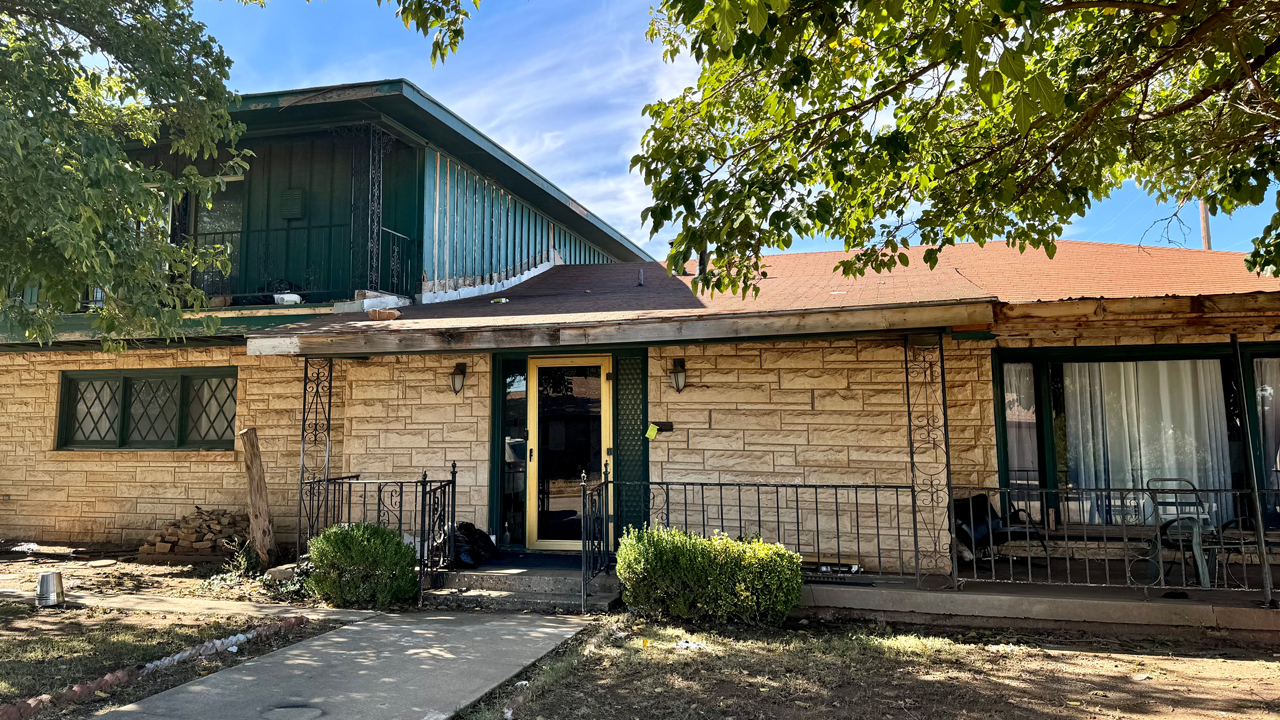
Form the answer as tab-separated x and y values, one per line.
259	511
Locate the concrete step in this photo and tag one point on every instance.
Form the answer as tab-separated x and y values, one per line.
536	602
516	588
522	580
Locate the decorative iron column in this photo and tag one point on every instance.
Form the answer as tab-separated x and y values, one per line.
369	146
317	417
929	449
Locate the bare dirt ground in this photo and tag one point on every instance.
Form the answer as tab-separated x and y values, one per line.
47	650
630	668
126	576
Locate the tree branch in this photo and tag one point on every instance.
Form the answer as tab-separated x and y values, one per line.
1142	7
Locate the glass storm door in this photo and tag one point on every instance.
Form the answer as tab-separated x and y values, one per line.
570	407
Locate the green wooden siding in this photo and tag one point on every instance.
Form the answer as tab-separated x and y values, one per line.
479	233
312	252
444	226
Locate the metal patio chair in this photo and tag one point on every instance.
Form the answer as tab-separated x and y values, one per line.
1184	524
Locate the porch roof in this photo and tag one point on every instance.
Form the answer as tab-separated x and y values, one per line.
585	305
579	305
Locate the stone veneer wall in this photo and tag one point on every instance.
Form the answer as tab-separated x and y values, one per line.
393	418
402	418
49	495
812	413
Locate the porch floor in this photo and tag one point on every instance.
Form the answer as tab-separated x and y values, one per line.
1118	609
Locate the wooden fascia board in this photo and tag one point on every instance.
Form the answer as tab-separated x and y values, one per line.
1116	308
690	330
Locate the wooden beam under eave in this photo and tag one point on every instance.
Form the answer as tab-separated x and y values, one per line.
1116	308
691	330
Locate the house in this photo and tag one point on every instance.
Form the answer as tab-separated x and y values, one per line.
1105	417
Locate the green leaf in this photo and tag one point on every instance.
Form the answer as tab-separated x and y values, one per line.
757	15
971	37
1047	94
1012	64
991	87
1024	112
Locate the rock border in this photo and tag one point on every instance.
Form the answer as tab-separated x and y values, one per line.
125	676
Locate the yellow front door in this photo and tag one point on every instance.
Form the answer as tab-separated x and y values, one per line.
570	432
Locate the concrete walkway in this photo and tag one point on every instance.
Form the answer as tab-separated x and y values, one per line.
392	667
195	606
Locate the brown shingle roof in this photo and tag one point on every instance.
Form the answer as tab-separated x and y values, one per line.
1101	270
591	294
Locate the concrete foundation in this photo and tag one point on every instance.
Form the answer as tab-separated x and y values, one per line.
1123	610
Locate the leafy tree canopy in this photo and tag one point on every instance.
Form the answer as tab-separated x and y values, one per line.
886	124
80	81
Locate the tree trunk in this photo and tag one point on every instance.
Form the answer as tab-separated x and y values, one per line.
259	511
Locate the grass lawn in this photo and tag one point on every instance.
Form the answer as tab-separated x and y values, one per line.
44	651
627	668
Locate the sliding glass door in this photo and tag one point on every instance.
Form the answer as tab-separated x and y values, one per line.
1266	382
1112	433
1146	425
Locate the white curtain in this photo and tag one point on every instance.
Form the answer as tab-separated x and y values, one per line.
1020	424
1131	422
1266	373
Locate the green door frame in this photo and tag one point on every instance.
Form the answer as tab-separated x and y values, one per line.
620	422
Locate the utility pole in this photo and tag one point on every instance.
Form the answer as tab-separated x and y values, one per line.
1205	239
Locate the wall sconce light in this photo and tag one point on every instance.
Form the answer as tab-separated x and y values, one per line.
677	374
457	377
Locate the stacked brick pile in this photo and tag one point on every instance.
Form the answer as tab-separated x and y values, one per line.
204	532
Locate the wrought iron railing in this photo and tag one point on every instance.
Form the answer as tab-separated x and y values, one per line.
422	511
1168	534
844	533
595	531
313	262
400	250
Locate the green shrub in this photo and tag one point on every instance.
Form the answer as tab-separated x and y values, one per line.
362	565
717	579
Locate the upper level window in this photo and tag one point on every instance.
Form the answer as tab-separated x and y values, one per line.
148	409
219	224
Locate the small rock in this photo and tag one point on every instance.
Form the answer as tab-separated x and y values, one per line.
1141	676
232	649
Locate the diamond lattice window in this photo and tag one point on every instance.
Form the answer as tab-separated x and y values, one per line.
95	412
161	409
212	409
153	410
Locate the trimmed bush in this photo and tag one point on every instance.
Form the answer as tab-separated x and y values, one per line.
669	572
362	565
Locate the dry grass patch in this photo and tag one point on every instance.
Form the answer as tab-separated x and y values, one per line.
44	651
629	668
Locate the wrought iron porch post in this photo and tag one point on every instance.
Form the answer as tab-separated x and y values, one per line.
369	147
928	445
313	464
1255	476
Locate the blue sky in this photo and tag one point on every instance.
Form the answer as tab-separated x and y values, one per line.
560	83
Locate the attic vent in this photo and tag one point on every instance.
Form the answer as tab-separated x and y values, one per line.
573	205
291	205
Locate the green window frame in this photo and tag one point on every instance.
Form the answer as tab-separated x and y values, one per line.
1047	407
187	409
